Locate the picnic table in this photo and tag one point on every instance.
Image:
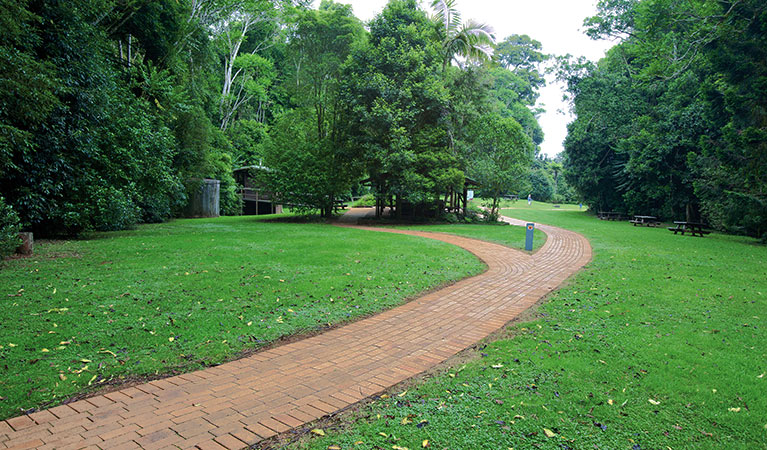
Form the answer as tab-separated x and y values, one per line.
693	228
610	215
650	221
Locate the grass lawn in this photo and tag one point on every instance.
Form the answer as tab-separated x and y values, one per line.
507	235
181	295
658	344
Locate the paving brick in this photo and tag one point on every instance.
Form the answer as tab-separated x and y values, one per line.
28	444
210	445
230	442
21	422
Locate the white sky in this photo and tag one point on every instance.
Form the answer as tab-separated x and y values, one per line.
557	24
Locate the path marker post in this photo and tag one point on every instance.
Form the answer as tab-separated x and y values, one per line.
529	237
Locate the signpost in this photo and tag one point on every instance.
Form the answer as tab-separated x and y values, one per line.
529	237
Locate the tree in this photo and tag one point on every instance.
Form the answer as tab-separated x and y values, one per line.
308	156
499	156
521	55
471	40
246	74
395	96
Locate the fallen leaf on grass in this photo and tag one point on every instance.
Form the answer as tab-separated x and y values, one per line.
406	421
397	447
103	351
733	409
318	432
549	433
425	443
334	447
62	377
610	402
654	402
402	394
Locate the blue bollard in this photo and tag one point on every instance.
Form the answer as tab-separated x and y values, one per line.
529	237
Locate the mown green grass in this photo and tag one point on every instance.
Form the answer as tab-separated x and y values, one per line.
510	236
181	295
659	343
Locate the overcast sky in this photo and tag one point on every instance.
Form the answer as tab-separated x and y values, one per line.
557	24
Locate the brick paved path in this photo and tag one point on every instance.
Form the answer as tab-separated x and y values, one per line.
245	401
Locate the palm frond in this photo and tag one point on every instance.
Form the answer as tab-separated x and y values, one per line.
484	33
447	15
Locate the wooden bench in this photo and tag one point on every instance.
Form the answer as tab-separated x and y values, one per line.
693	228
650	221
610	215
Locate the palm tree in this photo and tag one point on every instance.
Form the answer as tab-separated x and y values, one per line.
471	40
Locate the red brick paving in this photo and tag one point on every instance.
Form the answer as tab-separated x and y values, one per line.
242	402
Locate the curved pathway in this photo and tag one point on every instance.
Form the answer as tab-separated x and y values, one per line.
242	402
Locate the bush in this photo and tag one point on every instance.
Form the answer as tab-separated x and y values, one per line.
9	229
365	200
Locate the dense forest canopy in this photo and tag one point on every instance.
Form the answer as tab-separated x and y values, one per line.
672	121
113	110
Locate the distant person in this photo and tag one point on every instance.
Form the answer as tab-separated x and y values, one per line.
580	205
529	199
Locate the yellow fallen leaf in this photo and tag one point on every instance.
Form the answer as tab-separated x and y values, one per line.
358	443
102	351
549	433
250	323
733	409
318	432
171	339
402	394
334	447
654	402
425	443
62	377
45	350
11	345
91	380
610	401
397	447
761	376
381	433
406	421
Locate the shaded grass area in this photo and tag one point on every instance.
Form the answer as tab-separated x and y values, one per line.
658	343
510	236
190	293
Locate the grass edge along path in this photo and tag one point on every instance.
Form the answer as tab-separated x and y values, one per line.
254	398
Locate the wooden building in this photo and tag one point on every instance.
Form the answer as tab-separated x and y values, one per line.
255	199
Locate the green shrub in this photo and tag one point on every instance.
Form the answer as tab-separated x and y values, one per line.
9	229
365	200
